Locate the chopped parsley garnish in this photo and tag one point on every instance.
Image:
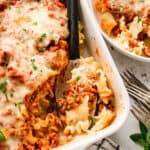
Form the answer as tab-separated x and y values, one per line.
18	103
2	137
42	49
139	19
78	78
43	36
34	67
142	138
35	23
3	88
25	30
92	121
11	95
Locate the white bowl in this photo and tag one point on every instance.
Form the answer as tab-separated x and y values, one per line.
99	50
110	40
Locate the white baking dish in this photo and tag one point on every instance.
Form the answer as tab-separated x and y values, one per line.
99	50
114	44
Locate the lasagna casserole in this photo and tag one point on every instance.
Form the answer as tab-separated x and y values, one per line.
127	22
33	53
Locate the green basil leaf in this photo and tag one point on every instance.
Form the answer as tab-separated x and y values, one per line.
2	137
78	78
147	146
143	129
42	49
138	138
148	137
135	137
141	142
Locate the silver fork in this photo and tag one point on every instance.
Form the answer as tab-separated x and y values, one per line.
142	113
141	96
131	78
136	88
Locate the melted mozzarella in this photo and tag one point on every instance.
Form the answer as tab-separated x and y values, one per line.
33	18
135	5
73	115
24	25
27	26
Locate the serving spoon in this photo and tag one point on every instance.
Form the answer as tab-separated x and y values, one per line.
74	55
72	13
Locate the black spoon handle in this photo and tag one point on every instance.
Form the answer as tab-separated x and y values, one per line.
72	9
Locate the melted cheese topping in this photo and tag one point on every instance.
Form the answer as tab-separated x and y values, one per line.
135	5
26	29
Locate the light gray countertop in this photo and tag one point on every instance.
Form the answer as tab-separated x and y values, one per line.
142	71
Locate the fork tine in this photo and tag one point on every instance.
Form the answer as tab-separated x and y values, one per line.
124	77
134	90
140	114
142	106
137	113
141	102
138	96
140	91
131	78
141	96
136	80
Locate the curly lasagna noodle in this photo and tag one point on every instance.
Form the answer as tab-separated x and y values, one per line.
33	52
127	22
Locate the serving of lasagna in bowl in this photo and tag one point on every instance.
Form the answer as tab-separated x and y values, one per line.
33	54
126	25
